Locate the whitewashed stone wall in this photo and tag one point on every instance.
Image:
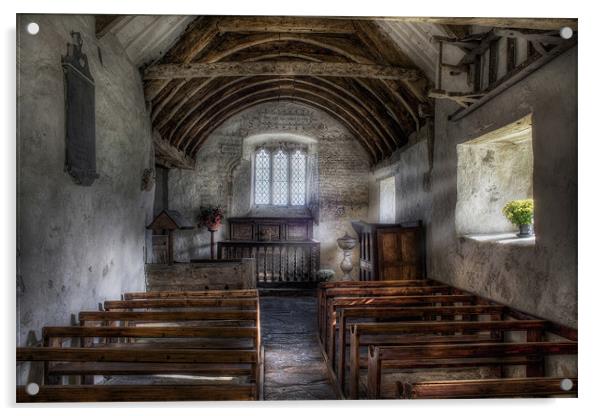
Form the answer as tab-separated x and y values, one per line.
77	245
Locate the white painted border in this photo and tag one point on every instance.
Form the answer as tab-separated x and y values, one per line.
590	152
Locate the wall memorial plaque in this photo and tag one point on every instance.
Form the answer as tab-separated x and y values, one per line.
80	160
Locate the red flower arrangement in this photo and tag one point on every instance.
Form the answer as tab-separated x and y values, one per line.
211	217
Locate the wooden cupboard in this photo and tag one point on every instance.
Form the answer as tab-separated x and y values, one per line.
391	251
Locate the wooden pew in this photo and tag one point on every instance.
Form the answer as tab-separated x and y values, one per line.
406	313
378	283
200	337
551	327
240	293
191	357
135	317
241	315
487	388
465	355
358	331
137	393
384	301
322	287
240	338
332	300
185	303
331	294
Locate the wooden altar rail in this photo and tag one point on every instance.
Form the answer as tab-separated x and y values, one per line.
276	261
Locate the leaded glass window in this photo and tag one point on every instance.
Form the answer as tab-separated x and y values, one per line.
298	178
262	177
280	176
280	179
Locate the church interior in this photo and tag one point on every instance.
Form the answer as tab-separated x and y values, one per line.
221	207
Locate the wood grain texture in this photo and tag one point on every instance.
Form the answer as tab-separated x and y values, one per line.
492	388
128	393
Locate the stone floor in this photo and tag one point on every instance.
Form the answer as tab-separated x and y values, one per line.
294	366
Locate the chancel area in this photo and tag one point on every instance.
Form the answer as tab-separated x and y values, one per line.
295	208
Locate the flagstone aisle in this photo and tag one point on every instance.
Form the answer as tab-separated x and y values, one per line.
294	366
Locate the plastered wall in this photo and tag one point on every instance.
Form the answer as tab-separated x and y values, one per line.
77	246
538	277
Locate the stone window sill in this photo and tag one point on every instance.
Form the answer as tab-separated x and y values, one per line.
501	238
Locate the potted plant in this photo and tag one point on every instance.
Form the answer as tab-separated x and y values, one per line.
520	212
325	275
211	217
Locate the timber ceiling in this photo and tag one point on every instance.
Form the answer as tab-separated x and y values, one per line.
372	75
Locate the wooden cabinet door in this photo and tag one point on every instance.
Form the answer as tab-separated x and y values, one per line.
411	254
399	253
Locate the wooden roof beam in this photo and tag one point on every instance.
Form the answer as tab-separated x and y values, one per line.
292	68
289	24
347	104
338	45
197	36
542	23
169	156
390	53
203	121
269	96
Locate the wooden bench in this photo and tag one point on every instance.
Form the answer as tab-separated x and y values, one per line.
195	337
383	301
137	393
344	315
130	356
404	320
488	388
206	334
232	317
330	295
322	287
239	293
216	323
185	303
203	307
534	329
465	355
212	338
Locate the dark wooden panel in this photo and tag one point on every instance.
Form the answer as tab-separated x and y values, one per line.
298	231
269	232
271	228
391	251
241	231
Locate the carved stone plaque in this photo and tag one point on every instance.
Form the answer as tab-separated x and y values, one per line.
80	160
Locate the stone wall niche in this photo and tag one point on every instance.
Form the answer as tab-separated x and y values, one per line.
492	170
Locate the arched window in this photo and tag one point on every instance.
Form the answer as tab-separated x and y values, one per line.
280	177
